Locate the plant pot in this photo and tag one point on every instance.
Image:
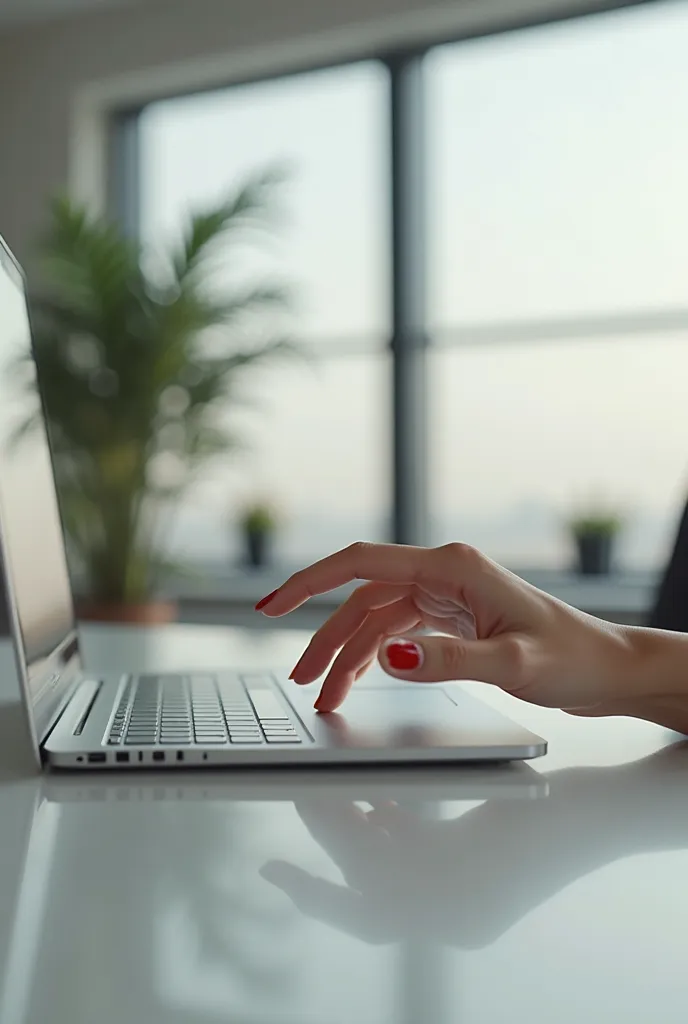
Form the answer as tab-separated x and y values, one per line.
150	613
594	554
258	548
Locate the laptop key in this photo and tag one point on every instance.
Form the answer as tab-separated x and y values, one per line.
266	704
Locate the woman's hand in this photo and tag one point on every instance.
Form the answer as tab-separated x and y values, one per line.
496	629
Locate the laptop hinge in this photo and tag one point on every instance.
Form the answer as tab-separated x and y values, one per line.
54	696
76	711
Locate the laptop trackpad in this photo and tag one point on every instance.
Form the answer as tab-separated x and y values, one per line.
394	716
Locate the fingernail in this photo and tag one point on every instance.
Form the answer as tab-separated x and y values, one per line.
265	600
404	655
295	671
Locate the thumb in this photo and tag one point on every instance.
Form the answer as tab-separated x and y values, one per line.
434	659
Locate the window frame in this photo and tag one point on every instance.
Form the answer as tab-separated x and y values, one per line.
409	340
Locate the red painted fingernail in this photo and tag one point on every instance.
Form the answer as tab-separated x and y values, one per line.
404	655
265	600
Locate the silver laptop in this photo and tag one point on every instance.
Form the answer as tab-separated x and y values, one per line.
86	720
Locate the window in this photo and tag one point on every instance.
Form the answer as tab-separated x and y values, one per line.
559	256
529	433
328	130
557	288
317	434
317	446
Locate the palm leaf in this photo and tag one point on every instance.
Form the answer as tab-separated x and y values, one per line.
250	206
130	367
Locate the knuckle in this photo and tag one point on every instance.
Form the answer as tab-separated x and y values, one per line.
375	625
358	548
516	655
452	656
298	582
462	556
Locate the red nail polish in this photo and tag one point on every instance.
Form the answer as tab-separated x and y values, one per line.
265	600
403	655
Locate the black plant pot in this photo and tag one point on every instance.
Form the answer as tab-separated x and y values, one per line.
258	548
594	554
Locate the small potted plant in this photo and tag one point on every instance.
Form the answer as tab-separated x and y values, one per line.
258	523
594	534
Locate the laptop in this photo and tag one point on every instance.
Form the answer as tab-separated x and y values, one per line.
82	719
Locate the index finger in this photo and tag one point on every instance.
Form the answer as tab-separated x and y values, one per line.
386	563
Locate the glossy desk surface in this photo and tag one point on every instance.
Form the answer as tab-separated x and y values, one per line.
490	896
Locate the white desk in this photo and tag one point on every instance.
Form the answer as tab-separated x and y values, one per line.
139	899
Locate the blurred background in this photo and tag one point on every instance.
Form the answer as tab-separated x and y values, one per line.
442	258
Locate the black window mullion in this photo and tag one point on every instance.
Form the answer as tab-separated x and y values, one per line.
409	295
124	180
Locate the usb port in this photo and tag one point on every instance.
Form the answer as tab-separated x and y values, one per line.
158	755
97	758
122	756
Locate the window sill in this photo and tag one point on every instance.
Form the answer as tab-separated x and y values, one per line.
223	594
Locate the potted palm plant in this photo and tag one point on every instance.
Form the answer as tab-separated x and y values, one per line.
137	365
258	524
594	534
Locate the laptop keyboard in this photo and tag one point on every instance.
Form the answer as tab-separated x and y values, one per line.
180	710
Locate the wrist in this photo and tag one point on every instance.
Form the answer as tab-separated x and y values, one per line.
658	662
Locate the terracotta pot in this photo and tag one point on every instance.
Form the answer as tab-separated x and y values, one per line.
153	613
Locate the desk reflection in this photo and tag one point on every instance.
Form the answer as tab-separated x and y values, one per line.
140	896
464	882
152	898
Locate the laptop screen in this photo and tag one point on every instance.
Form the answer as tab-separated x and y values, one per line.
29	516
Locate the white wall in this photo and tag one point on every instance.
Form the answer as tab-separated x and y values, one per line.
55	79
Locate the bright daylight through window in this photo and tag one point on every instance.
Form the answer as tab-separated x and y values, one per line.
557	311
314	431
559	251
